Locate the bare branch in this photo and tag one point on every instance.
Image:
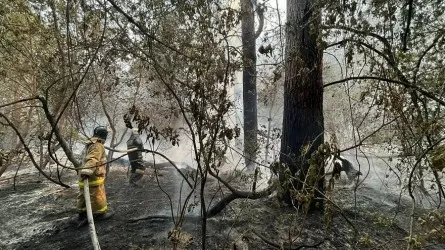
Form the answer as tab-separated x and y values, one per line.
368	46
360	143
53	122
236	194
361	32
28	150
19	101
143	29
419	61
402	83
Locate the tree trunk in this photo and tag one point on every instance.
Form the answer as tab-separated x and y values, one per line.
303	94
249	82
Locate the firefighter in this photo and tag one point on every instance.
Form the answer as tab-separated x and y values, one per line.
94	161
135	157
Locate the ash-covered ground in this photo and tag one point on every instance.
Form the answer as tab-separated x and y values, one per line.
37	215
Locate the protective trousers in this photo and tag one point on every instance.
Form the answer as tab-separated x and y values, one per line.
97	195
137	171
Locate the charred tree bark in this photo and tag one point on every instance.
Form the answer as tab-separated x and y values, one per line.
303	94
249	81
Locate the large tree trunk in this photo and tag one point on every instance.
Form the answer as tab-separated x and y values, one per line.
303	94
249	82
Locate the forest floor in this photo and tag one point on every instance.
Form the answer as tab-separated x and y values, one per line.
37	214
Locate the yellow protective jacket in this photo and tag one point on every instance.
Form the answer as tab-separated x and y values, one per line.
95	158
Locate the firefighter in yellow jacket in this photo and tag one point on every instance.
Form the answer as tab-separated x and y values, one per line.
94	163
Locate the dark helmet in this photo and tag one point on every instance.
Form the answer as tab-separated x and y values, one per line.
101	132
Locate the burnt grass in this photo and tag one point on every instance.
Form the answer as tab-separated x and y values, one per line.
38	215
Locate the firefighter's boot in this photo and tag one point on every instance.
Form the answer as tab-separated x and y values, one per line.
135	178
82	220
104	216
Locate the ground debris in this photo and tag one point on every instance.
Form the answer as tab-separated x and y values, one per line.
39	216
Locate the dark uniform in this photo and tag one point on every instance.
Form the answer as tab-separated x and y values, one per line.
136	162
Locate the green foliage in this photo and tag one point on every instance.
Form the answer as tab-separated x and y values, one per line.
399	72
382	220
416	242
365	240
307	185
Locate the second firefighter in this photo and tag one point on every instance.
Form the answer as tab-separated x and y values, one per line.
135	157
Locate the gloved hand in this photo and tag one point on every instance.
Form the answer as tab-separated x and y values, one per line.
85	173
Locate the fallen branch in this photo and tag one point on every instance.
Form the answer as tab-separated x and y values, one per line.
150	217
236	194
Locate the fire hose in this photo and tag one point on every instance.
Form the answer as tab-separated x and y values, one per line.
91	226
86	190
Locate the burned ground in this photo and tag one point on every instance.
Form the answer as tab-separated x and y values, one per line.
37	215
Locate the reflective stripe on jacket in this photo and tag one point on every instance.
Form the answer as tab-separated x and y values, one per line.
92	182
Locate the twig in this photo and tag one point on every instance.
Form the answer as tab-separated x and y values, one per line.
410	191
144	29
